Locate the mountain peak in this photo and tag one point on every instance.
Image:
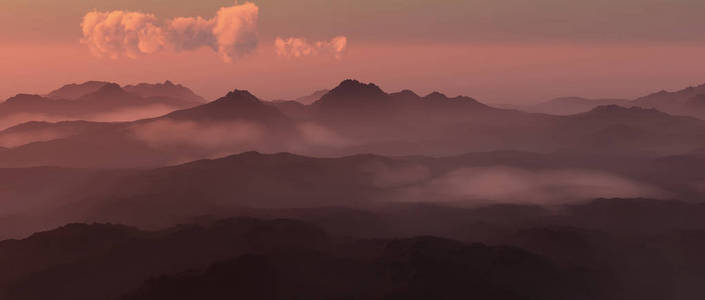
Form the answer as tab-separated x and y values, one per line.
111	93
407	93
240	96
24	98
110	87
352	93
351	83
181	95
352	86
237	104
436	96
405	96
109	90
74	91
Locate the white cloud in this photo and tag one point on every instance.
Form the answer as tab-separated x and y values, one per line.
298	47
236	30
232	32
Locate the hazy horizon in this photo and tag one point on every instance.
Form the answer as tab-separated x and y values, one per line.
494	52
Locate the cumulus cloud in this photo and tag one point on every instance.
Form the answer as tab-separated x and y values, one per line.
232	32
298	47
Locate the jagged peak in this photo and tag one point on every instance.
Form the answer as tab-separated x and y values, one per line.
355	83
90	82
110	87
240	95
165	84
236	104
353	86
87	83
436	96
351	92
166	89
236	97
74	91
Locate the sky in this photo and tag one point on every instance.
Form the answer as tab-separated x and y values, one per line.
497	51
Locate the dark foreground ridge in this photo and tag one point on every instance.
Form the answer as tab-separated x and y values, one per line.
604	249
276	259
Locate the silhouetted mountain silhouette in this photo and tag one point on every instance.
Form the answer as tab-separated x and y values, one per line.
74	91
352	93
165	90
236	105
454	199
676	103
95	100
573	105
669	101
360	118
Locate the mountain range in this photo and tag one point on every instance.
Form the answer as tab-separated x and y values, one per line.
352	118
359	194
162	196
685	102
98	101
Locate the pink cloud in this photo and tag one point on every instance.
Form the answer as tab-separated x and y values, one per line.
299	47
232	32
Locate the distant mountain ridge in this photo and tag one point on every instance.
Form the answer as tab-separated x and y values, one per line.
74	91
665	97
686	102
573	105
167	89
97	100
235	104
682	102
147	90
352	118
